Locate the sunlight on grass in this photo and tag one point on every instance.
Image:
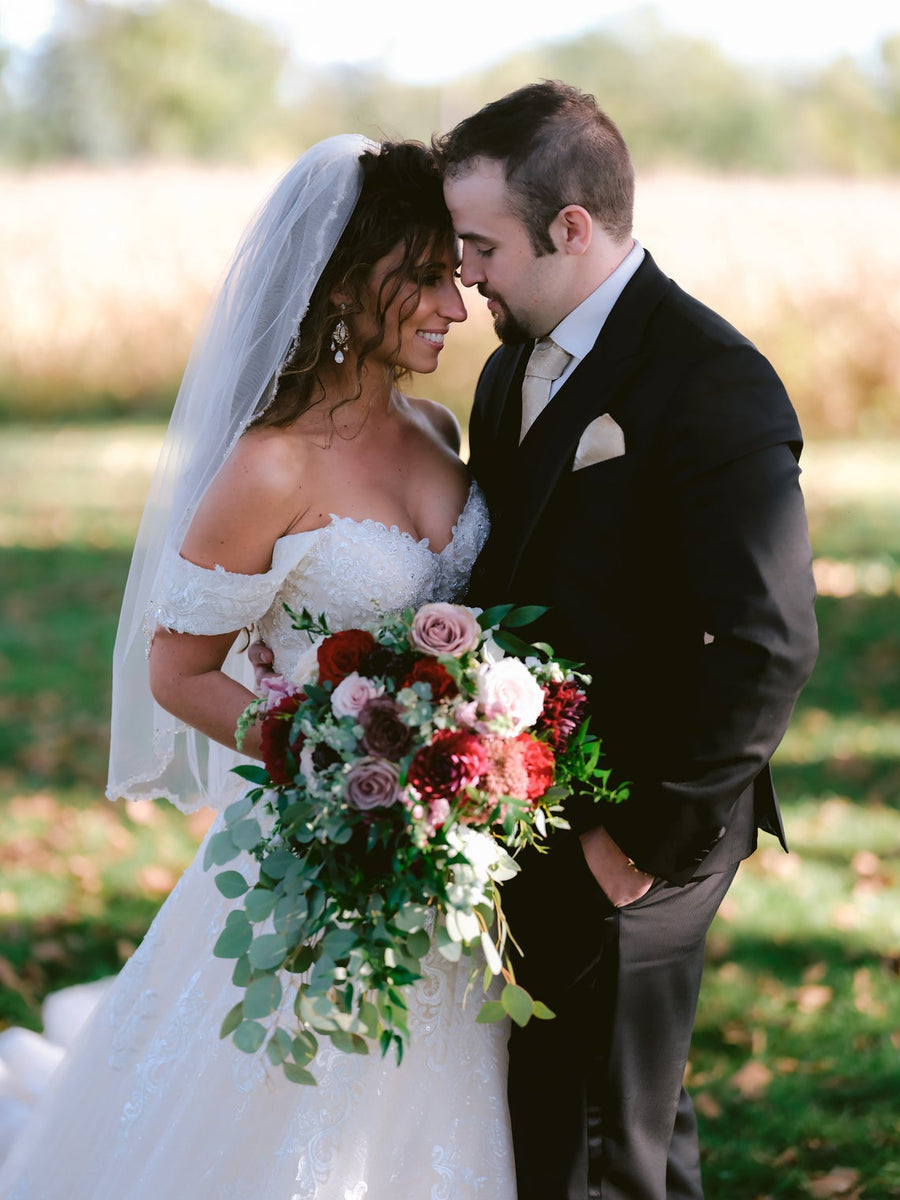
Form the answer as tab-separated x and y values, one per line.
75	485
796	1061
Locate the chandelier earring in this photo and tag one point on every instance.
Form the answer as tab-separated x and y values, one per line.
340	338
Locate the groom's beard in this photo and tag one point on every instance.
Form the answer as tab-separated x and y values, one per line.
507	327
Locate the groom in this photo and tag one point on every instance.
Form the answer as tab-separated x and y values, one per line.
641	472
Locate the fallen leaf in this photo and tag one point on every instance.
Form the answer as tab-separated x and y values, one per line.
839	1182
811	999
707	1105
752	1079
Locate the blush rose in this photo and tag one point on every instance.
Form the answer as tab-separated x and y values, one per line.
352	694
508	690
372	783
442	628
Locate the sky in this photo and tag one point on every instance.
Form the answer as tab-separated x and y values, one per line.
415	42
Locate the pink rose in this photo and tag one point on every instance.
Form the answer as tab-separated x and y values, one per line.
275	688
445	629
507	690
352	694
372	783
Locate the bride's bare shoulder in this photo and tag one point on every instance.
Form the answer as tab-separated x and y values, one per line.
441	420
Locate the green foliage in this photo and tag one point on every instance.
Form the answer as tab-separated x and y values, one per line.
185	77
177	78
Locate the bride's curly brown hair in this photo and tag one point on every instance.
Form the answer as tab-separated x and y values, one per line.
401	206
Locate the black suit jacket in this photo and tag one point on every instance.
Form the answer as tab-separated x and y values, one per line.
699	528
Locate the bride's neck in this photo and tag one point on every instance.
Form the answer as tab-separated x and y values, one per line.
343	412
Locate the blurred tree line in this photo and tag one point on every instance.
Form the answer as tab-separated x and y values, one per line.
183	78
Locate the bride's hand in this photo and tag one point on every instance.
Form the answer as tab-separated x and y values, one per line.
262	660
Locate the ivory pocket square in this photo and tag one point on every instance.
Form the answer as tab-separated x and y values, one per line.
602	439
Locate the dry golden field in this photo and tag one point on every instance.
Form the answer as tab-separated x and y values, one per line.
106	273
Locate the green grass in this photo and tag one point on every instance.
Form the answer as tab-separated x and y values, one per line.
796	1061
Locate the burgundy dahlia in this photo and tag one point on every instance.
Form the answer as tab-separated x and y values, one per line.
565	707
453	761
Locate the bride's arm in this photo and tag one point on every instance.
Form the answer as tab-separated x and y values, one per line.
246	509
186	679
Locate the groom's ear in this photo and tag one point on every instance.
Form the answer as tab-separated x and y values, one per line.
571	229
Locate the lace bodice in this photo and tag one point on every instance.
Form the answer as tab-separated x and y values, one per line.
350	571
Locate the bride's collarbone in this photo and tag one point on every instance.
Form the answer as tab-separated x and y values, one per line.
426	505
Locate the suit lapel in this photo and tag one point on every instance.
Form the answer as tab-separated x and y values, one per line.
591	390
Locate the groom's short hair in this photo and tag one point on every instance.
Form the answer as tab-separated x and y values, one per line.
557	147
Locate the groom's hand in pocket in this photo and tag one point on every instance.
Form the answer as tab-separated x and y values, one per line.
614	871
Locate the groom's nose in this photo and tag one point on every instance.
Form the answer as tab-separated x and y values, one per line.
470	268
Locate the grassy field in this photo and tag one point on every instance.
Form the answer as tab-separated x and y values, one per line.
796	1064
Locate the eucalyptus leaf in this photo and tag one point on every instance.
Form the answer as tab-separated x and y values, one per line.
259	904
490	1012
338	943
249	1036
418	944
516	1001
276	865
237	810
220	849
298	1075
242	973
235	938
245	834
304	1047
274	1053
231	884
267	950
368	1015
233	1018
349	1043
262	996
411	917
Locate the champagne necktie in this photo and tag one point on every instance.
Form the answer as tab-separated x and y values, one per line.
547	362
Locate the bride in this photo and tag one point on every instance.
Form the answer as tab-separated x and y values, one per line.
293	471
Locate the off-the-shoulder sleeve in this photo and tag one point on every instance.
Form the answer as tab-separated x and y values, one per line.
192	599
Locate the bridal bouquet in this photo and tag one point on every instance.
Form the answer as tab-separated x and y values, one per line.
402	769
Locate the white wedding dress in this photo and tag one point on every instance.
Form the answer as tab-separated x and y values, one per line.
149	1104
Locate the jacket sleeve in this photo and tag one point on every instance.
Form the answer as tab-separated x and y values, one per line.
731	445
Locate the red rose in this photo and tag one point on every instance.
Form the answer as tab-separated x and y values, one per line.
540	764
565	707
276	743
435	674
454	760
341	654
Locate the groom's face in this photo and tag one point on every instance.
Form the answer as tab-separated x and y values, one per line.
497	256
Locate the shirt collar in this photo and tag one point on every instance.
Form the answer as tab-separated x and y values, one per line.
578	331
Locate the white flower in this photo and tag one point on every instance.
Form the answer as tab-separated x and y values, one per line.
306	669
507	689
352	694
491	651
